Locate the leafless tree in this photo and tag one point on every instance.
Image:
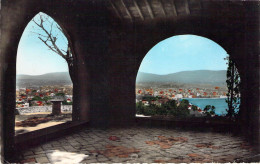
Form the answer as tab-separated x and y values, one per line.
49	32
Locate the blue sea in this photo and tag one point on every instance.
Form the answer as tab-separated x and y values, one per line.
219	103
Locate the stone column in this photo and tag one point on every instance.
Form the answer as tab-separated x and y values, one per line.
56	107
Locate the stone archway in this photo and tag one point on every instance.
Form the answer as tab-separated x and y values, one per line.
150	33
109	56
230	42
9	78
91	66
155	63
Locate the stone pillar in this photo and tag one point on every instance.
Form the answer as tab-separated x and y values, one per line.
56	107
1	98
122	75
250	116
81	86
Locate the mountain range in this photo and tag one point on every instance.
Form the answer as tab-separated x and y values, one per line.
56	78
185	77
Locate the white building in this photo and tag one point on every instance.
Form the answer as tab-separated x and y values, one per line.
156	93
26	105
179	96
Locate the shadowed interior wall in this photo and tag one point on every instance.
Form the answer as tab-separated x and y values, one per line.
109	52
1	94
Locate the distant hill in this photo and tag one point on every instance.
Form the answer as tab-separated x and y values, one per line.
204	77
56	78
186	77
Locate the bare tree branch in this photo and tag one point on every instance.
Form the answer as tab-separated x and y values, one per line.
39	34
64	51
51	28
45	42
49	37
58	27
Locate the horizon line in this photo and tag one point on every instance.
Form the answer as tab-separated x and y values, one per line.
137	73
182	71
43	73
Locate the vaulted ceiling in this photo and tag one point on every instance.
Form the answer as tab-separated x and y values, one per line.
141	10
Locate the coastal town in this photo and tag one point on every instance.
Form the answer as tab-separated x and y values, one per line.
159	97
42	96
179	93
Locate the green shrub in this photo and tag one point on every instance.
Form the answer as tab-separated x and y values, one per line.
36	98
149	111
209	110
168	108
184	104
179	112
171	104
60	94
139	108
194	108
161	110
46	98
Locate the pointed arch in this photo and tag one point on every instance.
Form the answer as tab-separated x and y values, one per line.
44	49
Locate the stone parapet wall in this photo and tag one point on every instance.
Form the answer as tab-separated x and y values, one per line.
37	109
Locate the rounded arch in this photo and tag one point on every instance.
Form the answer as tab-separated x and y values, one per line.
155	51
230	50
215	30
172	38
204	27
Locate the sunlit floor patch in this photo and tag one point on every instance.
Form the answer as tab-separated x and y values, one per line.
140	115
32	121
61	157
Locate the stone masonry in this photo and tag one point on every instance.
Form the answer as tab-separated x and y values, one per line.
37	109
141	145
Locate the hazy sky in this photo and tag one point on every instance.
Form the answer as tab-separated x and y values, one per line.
178	53
184	53
34	58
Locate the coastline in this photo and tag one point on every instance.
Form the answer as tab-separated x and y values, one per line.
203	98
219	103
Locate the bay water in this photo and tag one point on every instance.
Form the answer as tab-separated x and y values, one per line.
219	103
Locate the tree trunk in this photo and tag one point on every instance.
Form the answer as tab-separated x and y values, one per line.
231	109
71	66
71	72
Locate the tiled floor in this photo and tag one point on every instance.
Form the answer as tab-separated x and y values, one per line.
140	145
